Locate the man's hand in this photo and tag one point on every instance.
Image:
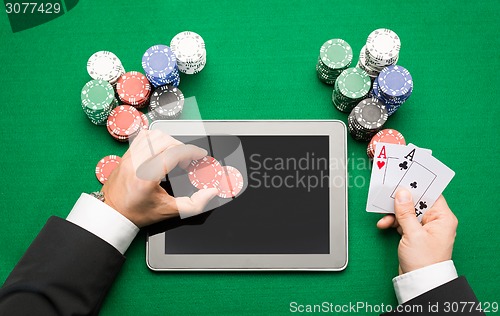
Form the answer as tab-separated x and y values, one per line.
134	190
421	244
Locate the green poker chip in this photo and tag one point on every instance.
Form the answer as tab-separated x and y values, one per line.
98	99
351	86
354	83
97	95
336	54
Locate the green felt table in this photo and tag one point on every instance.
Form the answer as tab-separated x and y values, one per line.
261	65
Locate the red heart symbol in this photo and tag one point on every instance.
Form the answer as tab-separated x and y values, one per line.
380	164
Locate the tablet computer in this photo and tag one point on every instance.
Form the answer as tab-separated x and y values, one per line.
291	213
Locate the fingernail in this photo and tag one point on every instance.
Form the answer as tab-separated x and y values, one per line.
403	196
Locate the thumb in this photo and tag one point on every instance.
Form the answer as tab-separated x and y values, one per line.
405	212
194	205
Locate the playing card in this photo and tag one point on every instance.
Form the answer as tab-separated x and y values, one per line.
426	178
424	149
387	157
396	171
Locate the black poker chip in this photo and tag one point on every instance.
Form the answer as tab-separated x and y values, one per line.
366	119
166	102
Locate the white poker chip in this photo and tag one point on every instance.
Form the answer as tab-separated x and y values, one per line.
189	49
104	65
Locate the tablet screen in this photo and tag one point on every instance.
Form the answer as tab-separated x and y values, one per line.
284	209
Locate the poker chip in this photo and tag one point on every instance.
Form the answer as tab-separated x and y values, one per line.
393	86
395	82
231	182
133	88
390	136
391	105
105	166
335	56
352	86
104	65
189	49
382	48
166	102
366	119
98	99
373	73
124	122
144	122
160	66
205	173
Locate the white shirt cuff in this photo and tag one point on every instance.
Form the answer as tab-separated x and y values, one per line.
412	284
103	221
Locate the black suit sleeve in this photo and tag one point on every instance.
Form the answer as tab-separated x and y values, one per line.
66	271
457	290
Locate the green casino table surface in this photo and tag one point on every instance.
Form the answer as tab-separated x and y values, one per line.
260	65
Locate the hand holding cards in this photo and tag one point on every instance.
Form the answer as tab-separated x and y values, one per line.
410	167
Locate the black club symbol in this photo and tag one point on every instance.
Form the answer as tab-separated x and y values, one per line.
422	205
413	184
403	165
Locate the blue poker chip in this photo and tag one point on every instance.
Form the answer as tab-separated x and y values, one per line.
159	62
173	79
176	83
375	92
395	82
392	108
392	105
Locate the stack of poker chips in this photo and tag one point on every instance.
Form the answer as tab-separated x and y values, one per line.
335	56
393	86
166	103
366	119
352	86
104	65
98	99
114	97
125	122
133	88
189	48
160	66
381	50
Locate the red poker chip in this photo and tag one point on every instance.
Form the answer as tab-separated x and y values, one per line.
390	136
231	182
133	88
205	173
144	122
120	138
123	122
105	166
